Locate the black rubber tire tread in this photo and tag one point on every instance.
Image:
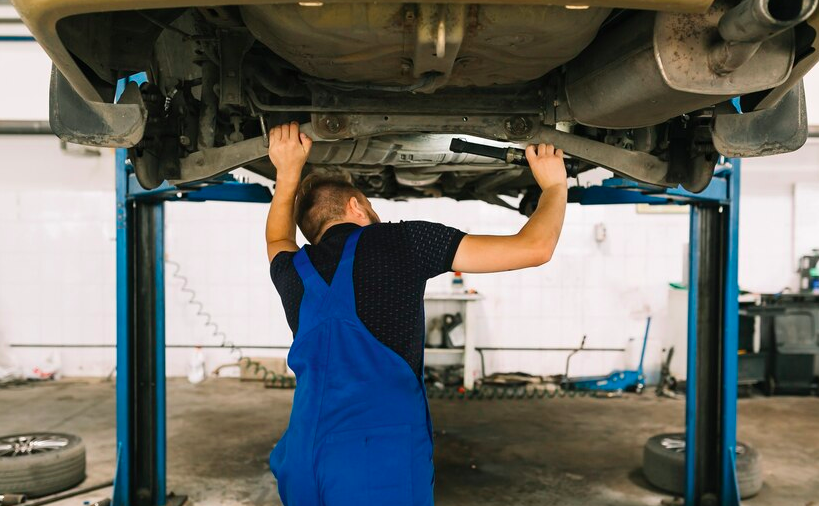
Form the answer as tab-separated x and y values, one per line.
665	469
44	473
749	472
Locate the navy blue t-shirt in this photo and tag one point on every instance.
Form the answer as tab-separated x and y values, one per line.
392	264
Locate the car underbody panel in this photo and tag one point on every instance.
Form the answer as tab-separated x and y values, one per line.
424	46
382	87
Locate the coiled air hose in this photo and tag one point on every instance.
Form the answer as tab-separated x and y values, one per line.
270	378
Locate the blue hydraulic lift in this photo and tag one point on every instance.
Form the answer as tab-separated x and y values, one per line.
710	415
713	322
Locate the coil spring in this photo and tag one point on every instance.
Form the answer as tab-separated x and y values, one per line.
269	377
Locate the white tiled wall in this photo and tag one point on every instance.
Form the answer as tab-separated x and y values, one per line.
57	281
220	249
806	218
770	243
57	278
26	95
604	291
57	273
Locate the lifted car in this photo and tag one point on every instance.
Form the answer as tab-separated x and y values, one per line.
654	90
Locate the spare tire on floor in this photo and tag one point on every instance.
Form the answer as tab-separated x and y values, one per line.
38	464
664	465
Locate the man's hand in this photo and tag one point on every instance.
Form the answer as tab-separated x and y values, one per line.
537	240
288	151
547	165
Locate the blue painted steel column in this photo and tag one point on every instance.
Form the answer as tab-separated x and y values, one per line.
728	484
159	283
122	480
691	369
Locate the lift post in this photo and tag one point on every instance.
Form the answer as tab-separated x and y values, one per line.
712	325
141	436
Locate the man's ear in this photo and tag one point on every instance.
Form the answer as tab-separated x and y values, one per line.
355	208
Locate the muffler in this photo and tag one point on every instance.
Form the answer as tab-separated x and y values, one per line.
652	67
744	28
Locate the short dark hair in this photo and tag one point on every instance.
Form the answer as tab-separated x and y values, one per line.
323	198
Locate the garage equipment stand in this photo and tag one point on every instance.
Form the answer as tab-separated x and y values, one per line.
712	325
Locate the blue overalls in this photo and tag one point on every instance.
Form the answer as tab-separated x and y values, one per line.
360	432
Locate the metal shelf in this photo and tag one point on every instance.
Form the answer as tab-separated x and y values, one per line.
461	297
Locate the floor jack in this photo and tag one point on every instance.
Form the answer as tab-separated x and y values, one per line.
614	383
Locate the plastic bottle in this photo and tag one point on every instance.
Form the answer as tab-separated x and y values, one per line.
457	282
196	366
435	338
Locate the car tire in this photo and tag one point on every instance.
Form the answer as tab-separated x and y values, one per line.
38	464
664	465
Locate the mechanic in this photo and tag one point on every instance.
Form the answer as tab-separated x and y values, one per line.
360	430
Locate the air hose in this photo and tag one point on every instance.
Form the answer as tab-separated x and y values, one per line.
274	380
270	378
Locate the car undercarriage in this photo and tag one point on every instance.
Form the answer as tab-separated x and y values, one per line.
382	88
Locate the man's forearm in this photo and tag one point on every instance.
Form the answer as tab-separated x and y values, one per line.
288	152
281	225
536	241
542	231
532	246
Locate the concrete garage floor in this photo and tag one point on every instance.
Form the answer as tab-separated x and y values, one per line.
554	452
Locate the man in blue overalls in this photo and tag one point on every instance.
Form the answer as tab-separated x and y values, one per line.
360	432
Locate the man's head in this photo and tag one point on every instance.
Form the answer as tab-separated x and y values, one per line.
326	200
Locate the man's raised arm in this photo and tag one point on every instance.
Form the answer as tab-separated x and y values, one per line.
288	151
536	241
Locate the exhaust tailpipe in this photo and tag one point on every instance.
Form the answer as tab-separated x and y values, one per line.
759	20
745	27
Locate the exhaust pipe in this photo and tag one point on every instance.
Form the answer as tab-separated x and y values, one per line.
651	67
745	27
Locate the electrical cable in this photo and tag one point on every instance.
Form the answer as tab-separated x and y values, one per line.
270	378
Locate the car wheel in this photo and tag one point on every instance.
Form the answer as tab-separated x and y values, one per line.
664	465
38	464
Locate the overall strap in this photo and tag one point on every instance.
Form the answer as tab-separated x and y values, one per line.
342	284
310	278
